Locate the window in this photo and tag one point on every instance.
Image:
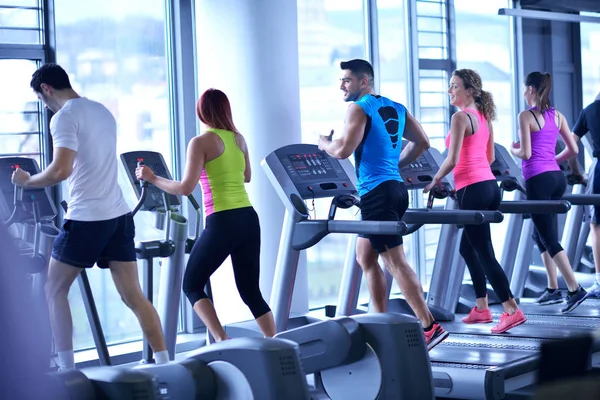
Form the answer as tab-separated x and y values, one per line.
20	22
20	112
490	53
117	54
394	83
393	50
329	31
432	29
590	63
590	67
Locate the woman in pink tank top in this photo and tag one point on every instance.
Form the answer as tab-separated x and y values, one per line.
539	128
470	144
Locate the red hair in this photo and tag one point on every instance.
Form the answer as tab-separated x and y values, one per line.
214	110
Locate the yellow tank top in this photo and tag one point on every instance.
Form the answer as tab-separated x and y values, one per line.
222	179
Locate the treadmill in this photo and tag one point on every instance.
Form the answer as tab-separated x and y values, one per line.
464	366
584	316
301	172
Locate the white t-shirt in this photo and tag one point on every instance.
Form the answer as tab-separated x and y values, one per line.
89	128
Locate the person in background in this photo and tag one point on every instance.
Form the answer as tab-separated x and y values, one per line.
219	160
589	122
539	128
470	144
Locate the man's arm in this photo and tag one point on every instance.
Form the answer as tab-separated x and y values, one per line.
573	164
354	130
59	169
418	141
64	130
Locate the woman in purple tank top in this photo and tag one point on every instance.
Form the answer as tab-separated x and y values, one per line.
539	127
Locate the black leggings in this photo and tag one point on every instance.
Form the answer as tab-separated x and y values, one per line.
546	186
234	233
476	242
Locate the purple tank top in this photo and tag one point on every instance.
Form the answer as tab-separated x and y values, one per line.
543	148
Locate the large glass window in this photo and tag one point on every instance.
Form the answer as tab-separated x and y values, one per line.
590	67
393	50
117	55
590	62
329	31
20	112
483	43
20	22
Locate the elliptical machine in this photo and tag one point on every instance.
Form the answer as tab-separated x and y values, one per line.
30	222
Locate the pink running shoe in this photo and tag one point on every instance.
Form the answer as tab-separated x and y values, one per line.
477	316
435	336
509	321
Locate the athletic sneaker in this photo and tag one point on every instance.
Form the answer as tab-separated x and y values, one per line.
477	316
549	297
435	336
509	321
594	291
574	299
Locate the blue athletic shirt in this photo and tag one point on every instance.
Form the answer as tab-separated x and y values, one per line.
376	157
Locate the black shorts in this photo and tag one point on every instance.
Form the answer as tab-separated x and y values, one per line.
593	187
85	243
387	202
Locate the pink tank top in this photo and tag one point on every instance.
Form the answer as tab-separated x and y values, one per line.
473	165
543	148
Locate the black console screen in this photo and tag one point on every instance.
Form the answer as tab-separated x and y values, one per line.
312	166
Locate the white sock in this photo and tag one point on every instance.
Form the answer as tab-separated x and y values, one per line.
66	360
598	277
161	357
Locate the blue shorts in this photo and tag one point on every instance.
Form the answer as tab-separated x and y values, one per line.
85	243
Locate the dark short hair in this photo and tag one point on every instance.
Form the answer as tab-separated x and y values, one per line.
358	67
50	74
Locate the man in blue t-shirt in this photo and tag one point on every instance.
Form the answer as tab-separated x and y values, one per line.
589	121
373	131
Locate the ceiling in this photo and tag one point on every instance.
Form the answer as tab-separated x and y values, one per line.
562	5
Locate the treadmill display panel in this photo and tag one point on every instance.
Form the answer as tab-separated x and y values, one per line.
312	166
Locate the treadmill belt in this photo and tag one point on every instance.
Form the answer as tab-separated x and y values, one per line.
493	342
589	308
476	356
530	329
559	320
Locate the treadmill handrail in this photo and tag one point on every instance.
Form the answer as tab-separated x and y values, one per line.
535	206
367	227
582	199
471	217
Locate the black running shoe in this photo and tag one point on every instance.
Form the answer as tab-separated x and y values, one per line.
574	300
549	297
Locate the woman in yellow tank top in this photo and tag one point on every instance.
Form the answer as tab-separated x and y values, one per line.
219	160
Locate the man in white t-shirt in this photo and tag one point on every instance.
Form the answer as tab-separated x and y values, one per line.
98	228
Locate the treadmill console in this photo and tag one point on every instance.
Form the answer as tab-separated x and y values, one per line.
156	162
504	166
312	172
30	195
419	173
